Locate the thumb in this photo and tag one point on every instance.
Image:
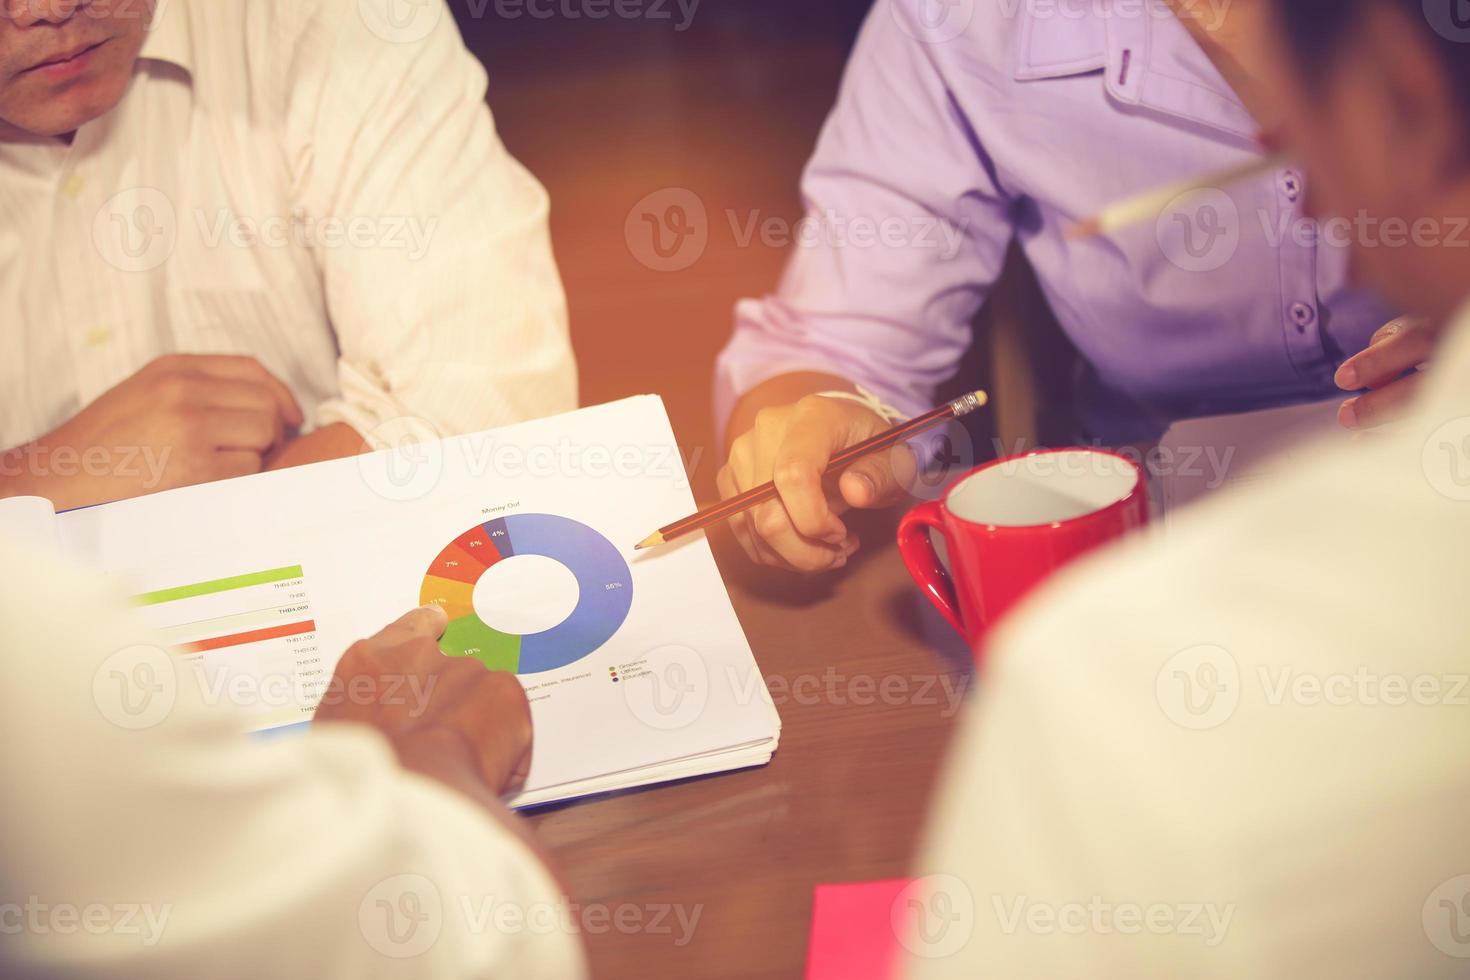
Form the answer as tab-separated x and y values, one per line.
880	479
425	622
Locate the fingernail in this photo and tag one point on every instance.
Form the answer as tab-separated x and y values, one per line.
1347	415
836	537
438	610
865	483
1347	377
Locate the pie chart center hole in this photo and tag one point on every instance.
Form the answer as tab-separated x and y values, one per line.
526	594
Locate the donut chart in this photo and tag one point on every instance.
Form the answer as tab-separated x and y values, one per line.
604	591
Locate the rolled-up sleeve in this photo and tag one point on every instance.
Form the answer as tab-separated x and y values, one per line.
447	308
905	230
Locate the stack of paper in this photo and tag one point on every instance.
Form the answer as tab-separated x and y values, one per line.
635	664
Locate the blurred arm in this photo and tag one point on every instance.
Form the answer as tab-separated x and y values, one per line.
208	852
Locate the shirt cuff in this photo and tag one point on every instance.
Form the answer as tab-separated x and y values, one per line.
381	420
738	371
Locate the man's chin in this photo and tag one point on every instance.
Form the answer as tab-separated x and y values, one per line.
59	110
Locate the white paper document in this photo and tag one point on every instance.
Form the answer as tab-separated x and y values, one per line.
1198	457
634	662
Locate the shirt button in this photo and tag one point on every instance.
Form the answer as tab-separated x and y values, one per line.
1303	315
72	187
98	337
1291	185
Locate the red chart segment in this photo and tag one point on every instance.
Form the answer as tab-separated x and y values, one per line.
458	565
477	542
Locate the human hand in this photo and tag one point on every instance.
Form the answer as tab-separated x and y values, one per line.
792	444
1403	345
458	704
180	420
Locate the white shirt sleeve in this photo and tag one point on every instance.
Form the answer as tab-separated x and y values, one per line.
145	834
1237	751
464	328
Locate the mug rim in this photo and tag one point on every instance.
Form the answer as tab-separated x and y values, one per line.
1138	484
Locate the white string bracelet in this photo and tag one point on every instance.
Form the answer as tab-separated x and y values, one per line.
870	401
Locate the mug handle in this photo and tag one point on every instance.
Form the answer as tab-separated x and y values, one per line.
922	561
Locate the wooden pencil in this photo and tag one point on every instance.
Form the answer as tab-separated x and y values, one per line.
1150	204
756	496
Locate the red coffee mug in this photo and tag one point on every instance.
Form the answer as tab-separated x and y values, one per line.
1009	524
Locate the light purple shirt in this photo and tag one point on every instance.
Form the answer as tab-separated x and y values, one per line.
964	123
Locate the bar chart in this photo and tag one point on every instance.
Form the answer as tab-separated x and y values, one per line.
252	637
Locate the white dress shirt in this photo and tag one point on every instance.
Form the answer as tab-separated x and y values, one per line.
1238	750
311	182
144	834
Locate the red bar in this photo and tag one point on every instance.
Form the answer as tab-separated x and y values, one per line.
254	636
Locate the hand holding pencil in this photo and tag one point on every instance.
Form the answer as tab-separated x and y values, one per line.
799	466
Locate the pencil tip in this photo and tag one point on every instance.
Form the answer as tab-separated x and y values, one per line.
1084	229
652	541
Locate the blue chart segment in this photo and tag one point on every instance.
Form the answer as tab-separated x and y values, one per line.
604	598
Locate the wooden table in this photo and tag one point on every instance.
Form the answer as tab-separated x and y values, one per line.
867	680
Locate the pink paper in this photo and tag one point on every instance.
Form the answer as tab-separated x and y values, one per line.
852	931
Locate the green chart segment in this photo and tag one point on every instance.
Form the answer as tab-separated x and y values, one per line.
605	592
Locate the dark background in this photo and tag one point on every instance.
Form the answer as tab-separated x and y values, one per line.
606	112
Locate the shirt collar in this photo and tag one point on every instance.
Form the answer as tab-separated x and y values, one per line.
1148	60
168	36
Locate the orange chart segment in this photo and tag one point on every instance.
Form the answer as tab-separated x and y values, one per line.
457	598
457	564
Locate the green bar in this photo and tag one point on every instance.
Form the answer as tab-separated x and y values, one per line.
219	585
